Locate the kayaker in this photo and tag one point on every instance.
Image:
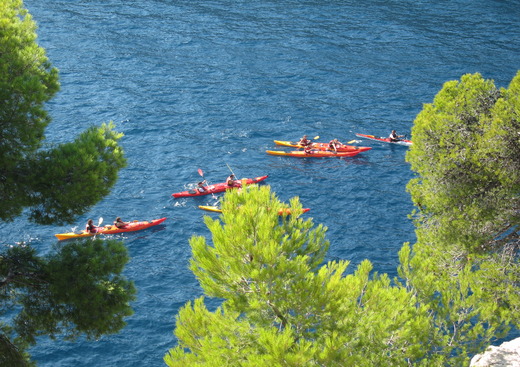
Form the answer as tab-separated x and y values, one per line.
307	149
201	187
394	137
91	228
334	144
119	223
304	141
231	180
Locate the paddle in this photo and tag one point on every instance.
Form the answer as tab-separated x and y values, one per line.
100	221
352	141
201	173
233	173
316	137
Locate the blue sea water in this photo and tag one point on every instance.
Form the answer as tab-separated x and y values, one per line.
209	84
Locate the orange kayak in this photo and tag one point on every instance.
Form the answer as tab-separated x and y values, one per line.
110	229
323	146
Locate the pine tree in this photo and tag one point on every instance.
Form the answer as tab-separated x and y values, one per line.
77	288
282	305
464	266
55	184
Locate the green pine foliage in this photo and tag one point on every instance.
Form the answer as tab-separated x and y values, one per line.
75	290
82	172
464	266
27	81
282	305
56	184
466	152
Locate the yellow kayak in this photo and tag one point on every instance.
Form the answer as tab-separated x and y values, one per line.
210	208
216	209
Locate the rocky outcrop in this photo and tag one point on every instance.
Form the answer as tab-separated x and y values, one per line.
505	355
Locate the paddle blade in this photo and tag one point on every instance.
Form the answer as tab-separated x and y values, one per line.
100	221
316	137
233	173
200	172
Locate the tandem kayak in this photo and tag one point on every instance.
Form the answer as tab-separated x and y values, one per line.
323	146
313	153
385	140
111	229
219	187
216	209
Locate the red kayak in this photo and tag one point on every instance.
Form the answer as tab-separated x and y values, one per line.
324	146
386	140
313	153
111	229
219	187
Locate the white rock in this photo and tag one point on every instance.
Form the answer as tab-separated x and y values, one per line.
505	355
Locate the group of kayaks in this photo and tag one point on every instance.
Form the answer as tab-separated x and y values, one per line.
223	186
315	149
140	225
318	150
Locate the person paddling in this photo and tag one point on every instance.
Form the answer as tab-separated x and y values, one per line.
304	142
201	186
394	137
334	144
119	223
307	149
231	180
91	228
